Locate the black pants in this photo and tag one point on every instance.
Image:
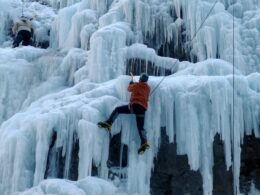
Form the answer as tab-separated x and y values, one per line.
139	112
23	35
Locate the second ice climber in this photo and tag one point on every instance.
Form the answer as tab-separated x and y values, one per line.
138	105
22	31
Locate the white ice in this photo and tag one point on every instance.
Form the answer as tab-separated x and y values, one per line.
87	186
77	82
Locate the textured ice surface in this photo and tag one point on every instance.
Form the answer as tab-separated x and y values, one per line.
68	88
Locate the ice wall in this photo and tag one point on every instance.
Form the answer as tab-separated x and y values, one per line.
92	25
198	95
101	6
68	25
18	75
5	20
67	93
214	40
126	22
142	52
29	73
192	106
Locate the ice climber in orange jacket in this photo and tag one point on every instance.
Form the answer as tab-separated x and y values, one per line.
138	105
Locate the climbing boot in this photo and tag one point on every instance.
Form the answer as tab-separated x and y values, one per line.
143	147
105	125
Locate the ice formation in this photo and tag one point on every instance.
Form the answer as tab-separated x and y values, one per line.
90	186
77	82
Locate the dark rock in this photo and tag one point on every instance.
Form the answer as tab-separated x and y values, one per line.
74	163
222	179
115	159
250	163
172	174
55	161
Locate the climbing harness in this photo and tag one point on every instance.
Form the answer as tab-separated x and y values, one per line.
190	42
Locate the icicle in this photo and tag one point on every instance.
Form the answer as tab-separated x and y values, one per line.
43	136
79	20
61	27
106	58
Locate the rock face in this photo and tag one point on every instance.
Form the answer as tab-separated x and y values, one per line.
250	163
172	174
56	161
222	178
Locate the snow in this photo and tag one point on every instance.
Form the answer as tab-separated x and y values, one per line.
210	67
87	186
77	82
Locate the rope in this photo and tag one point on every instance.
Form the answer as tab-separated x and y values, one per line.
233	99
196	32
22	6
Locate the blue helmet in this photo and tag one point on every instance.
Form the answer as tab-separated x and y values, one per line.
143	77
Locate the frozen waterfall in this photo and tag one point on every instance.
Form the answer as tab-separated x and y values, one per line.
66	89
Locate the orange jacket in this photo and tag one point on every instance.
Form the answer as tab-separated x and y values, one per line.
140	93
